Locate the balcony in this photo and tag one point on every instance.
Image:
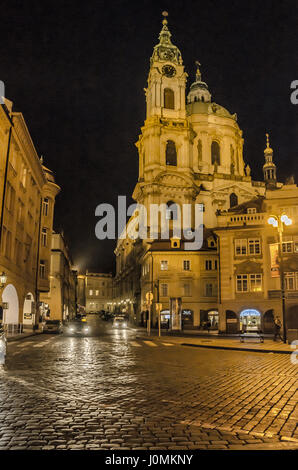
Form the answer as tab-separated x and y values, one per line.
241	219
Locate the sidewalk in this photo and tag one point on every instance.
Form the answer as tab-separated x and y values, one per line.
24	335
214	342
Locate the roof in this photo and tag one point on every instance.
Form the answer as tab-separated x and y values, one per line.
200	107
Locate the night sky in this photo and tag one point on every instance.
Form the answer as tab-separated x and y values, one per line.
77	70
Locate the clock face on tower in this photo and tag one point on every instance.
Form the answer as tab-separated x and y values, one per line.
168	70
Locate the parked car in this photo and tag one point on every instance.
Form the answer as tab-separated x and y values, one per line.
77	327
119	322
52	326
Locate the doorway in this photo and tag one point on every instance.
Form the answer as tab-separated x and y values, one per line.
250	320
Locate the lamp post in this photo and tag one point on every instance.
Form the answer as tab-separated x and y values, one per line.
279	222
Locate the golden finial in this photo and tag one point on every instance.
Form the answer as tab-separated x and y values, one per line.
165	14
198	73
267	140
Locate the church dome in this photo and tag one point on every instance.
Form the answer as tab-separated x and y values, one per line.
200	107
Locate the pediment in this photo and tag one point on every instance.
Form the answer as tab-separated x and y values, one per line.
234	188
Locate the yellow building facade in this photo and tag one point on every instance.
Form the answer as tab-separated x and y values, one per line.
98	291
28	192
60	302
249	269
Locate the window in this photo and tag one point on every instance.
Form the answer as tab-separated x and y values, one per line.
186	289
20	217
97	292
186	265
251	210
164	290
199	148
208	264
8	244
18	252
255	281
42	269
241	247
254	246
164	265
208	290
24	176
171	154
90	292
171	211
10	197
233	200
169	98
44	237
215	264
290	281
287	247
249	283
45	206
242	283
215	153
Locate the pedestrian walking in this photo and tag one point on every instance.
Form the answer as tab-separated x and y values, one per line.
277	328
208	324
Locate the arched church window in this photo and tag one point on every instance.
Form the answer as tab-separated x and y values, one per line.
171	211
169	100
199	147
215	153
171	154
233	200
203	99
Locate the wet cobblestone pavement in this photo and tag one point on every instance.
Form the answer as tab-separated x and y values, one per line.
115	391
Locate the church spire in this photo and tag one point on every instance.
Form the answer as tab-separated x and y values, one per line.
269	167
199	90
165	51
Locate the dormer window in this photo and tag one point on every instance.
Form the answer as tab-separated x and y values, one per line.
251	210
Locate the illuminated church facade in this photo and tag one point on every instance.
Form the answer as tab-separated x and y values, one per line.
190	152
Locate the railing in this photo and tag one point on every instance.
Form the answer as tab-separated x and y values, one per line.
241	219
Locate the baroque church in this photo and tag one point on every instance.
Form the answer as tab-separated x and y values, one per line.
190	152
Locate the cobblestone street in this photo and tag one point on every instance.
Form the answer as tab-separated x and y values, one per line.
114	390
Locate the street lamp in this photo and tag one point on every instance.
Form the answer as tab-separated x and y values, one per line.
3	279
279	222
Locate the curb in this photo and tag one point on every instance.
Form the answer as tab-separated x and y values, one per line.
227	348
234	348
18	338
